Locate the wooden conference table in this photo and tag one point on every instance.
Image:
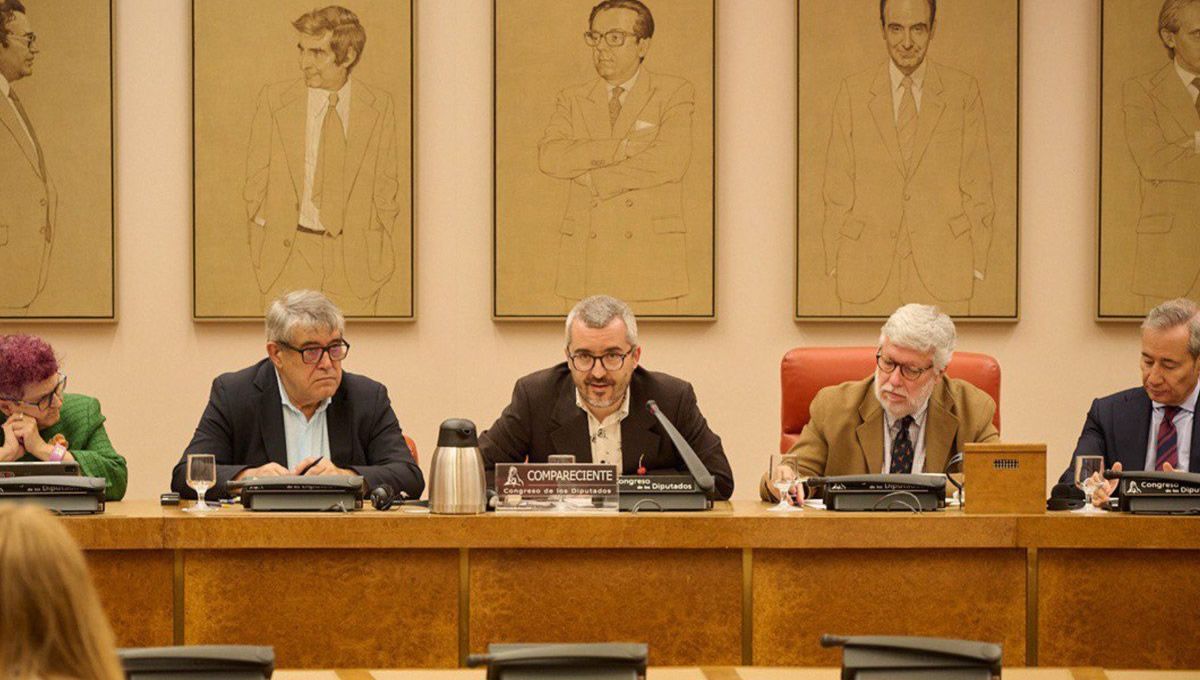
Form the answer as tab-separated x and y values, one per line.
744	673
736	586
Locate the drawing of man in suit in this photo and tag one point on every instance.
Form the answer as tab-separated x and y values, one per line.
321	172
1162	128
908	182
624	141
28	200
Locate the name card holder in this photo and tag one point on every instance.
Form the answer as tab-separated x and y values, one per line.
552	487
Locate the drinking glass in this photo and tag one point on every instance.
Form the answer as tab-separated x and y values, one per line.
782	485
1089	471
201	476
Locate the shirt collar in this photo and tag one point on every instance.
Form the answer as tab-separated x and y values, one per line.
620	413
322	96
1185	75
918	76
625	86
4	86
287	403
1188	404
918	417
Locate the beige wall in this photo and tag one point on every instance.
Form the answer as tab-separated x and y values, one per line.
152	370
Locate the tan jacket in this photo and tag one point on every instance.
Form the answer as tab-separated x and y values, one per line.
844	435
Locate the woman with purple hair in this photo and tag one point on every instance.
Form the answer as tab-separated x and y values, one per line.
40	421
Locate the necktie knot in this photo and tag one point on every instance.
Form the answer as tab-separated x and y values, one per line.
905	422
906	82
1196	82
1169	412
618	91
333	100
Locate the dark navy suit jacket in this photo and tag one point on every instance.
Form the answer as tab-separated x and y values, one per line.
1118	428
243	426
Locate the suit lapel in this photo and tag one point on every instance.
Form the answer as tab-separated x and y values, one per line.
885	118
292	120
595	111
569	432
8	115
270	414
941	429
932	105
1133	434
1171	93
870	431
635	101
638	436
363	118
337	424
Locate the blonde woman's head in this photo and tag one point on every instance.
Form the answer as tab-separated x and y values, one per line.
52	623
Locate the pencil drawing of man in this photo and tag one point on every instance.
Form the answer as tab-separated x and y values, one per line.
321	172
28	200
1162	129
908	182
624	140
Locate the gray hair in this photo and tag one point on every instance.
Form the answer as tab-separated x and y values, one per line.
923	328
598	311
1168	20
1174	313
302	308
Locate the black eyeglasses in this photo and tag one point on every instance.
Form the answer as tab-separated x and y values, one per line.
614	38
46	400
611	361
909	372
312	355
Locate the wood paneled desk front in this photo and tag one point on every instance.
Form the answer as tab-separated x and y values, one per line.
734	586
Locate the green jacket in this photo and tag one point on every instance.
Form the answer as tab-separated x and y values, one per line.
82	424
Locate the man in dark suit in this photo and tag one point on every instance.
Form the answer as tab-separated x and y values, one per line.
593	405
297	413
1151	427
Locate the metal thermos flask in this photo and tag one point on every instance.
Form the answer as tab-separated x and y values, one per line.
457	485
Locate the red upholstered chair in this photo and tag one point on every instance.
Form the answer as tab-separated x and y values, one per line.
412	448
805	370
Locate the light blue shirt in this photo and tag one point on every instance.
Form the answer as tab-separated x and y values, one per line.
304	436
1183	430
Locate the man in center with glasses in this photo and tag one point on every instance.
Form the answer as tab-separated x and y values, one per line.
906	417
593	405
297	413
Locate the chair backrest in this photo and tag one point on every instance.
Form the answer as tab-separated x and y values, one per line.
805	370
412	448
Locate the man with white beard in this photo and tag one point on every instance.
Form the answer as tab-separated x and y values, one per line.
906	417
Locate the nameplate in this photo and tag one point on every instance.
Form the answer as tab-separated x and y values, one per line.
541	480
658	484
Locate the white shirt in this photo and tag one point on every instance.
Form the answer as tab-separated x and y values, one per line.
606	435
318	103
1187	77
916	434
625	86
1183	431
304	437
918	85
5	88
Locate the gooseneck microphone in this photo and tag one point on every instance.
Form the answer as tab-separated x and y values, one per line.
704	478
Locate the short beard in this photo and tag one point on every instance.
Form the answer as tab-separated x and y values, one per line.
910	406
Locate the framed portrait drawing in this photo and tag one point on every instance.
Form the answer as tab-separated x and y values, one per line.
56	180
303	148
603	156
1149	240
907	153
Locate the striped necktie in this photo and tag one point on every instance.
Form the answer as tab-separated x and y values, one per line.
1166	444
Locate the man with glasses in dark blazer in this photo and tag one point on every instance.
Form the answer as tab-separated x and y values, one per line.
297	413
593	405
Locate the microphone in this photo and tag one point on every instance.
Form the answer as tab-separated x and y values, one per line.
704	478
1065	497
1112	474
